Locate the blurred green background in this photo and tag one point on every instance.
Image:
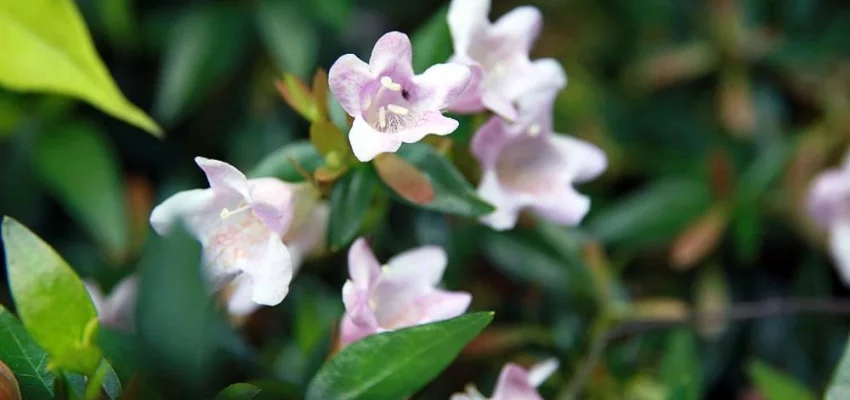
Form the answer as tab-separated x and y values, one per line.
715	115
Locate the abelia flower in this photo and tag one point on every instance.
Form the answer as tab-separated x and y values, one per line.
498	54
515	383
526	165
306	234
401	294
240	223
390	104
116	309
829	206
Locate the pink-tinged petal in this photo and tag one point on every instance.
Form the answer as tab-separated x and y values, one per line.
272	202
358	306
351	332
194	206
441	305
467	19
97	298
513	384
839	247
829	196
367	143
239	303
271	273
363	268
541	75
223	177
488	142
123	300
507	204
519	28
431	122
469	100
393	55
565	206
441	84
583	159
346	79
540	372
422	266
499	104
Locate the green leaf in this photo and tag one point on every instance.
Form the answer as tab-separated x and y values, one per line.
453	194
394	365
42	284
289	38
766	168
25	358
680	368
79	166
284	162
350	200
206	45
774	384
47	48
299	97
432	41
239	391
839	388
120	350
330	141
652	215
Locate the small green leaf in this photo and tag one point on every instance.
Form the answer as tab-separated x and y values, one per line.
80	168
432	41
680	367
25	358
766	168
350	199
47	48
394	365
453	194
330	141
284	162
290	39
297	95
839	388
51	299
774	384
239	391
205	46
404	179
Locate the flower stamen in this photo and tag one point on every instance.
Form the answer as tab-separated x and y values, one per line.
382	117
388	83
225	213
397	109
534	130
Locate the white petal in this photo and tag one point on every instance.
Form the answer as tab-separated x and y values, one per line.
467	19
507	204
583	159
542	371
839	247
271	274
193	205
366	142
520	28
392	52
424	265
429	123
441	84
224	177
363	267
565	206
347	78
239	303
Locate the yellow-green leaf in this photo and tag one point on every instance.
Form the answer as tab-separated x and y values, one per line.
296	93
47	48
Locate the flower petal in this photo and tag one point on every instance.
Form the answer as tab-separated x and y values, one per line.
507	204
351	332
429	123
271	273
514	384
195	206
272	202
366	142
500	104
97	298
469	100
440	305
839	247
829	196
519	28
392	54
526	78
584	160
488	142
565	206
441	84
423	265
346	78
540	372
309	236
239	303
223	177
467	19
363	268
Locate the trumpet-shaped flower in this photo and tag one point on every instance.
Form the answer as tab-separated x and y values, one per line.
515	383
240	224
526	165
116	309
829	205
401	294
305	234
390	104
497	53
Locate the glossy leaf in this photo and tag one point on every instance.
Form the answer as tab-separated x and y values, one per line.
41	284
774	384
238	391
25	358
79	166
285	162
404	179
680	367
47	48
394	365
350	200
452	193
289	38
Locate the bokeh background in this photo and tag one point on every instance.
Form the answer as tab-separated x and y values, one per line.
715	115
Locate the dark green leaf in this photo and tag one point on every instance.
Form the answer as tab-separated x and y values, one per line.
120	350
432	42
25	358
765	169
238	391
282	162
350	199
289	38
42	283
79	166
774	384
680	367
394	365
453	194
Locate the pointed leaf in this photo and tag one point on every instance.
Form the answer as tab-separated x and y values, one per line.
320	92
42	283
404	179
774	384
25	358
394	365
330	141
297	95
285	162
350	199
47	48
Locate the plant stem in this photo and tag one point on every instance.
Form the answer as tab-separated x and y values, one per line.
96	381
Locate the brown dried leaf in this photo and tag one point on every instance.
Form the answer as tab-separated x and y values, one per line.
699	239
404	179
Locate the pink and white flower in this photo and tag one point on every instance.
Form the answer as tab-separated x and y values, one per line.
401	294
390	104
526	165
829	206
240	223
117	309
498	54
515	383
